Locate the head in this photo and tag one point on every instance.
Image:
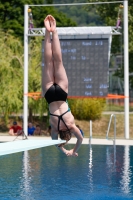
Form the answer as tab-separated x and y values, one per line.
65	135
30	125
14	123
38	128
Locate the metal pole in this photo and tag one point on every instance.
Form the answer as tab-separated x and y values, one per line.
114	129
77	4
25	108
90	132
126	69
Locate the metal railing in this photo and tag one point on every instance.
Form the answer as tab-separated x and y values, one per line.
114	128
90	132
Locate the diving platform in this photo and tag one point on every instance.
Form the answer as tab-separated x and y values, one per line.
24	145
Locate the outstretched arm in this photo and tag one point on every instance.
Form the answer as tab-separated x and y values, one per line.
73	152
78	135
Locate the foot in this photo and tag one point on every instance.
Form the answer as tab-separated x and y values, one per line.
47	24
50	23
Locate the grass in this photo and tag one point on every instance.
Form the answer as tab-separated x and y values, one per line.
99	127
117	107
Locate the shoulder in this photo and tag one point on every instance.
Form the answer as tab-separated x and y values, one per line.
76	131
74	128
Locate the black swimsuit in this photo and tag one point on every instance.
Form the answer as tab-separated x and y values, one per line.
60	118
56	93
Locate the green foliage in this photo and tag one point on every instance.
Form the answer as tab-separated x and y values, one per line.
49	1
79	13
35	73
42	12
11	74
87	109
12	15
35	64
109	13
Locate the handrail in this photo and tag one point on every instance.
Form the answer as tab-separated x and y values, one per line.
114	127
90	132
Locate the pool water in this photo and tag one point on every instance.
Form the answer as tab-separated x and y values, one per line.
99	173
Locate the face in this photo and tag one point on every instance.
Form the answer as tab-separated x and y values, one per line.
30	124
38	128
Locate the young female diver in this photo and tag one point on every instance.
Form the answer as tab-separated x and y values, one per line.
55	88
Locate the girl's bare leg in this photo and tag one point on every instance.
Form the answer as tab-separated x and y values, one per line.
60	76
48	70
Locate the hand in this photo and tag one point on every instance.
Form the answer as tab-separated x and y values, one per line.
71	153
50	23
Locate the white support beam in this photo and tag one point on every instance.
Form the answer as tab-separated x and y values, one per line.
126	69
108	30
25	106
78	4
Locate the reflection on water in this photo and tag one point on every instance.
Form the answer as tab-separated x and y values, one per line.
26	179
126	172
98	173
90	176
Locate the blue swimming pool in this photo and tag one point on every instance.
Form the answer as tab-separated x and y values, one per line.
98	173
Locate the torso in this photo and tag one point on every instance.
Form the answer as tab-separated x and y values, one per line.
58	108
15	129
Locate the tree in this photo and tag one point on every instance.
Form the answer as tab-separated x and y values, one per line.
79	14
109	13
87	109
12	15
11	74
38	106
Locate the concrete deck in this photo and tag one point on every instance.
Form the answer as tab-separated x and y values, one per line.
73	140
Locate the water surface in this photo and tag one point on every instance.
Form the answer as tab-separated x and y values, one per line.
99	173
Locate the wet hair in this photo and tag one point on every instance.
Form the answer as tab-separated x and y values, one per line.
65	135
